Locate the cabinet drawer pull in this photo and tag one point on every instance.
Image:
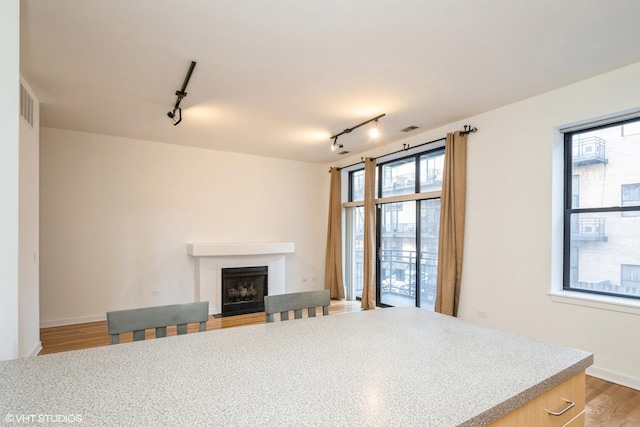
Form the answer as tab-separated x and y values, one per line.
569	406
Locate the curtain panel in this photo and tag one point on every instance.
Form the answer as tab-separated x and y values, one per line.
333	261
369	257
452	214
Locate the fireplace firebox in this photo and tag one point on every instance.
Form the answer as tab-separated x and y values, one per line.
243	290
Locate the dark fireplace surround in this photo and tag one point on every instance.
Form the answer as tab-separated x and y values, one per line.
243	290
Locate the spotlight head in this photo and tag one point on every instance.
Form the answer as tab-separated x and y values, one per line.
335	144
175	115
374	132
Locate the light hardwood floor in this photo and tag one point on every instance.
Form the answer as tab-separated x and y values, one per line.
607	404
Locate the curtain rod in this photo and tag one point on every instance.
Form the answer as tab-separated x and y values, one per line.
467	130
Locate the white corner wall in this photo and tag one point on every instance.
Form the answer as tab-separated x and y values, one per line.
117	214
29	233
511	257
9	160
512	223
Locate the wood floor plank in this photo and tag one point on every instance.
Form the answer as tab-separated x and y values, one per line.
607	404
611	405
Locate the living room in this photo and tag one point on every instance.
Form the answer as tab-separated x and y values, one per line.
115	212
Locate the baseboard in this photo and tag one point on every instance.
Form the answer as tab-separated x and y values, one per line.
73	321
614	377
36	350
85	319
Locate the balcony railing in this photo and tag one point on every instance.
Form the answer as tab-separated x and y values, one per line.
399	185
588	229
398	272
404	184
399	230
432	177
429	230
589	150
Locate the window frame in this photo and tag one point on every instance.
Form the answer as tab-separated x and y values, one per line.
569	209
416	196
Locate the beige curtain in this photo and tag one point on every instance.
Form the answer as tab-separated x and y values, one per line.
333	264
452	211
369	285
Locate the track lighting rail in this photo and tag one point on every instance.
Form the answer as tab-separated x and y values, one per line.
467	130
336	145
176	114
351	129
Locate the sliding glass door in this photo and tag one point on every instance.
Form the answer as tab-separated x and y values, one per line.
428	257
397	264
407	276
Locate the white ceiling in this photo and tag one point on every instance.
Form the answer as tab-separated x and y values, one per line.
277	78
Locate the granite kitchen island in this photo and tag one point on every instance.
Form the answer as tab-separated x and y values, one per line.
394	366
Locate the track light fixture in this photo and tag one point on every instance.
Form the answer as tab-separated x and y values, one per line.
176	114
335	146
374	132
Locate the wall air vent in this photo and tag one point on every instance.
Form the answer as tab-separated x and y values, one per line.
409	128
26	106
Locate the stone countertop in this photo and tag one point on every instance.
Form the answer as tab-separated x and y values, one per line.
394	366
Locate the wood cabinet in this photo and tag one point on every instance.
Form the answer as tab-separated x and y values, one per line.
566	401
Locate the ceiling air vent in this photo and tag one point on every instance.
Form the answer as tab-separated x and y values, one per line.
344	152
409	128
26	106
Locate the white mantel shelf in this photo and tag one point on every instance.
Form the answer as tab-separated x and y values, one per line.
235	249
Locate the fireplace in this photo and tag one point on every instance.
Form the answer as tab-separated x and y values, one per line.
243	290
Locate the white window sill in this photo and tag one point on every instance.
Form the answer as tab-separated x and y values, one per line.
603	302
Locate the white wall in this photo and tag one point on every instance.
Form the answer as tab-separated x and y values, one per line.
514	222
9	148
116	215
29	233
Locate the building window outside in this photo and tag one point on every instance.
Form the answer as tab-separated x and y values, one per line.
602	210
630	129
356	185
631	197
408	220
630	275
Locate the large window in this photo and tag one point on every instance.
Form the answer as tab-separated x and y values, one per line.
602	210
408	220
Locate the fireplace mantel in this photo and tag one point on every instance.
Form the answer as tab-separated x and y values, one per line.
210	258
235	249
